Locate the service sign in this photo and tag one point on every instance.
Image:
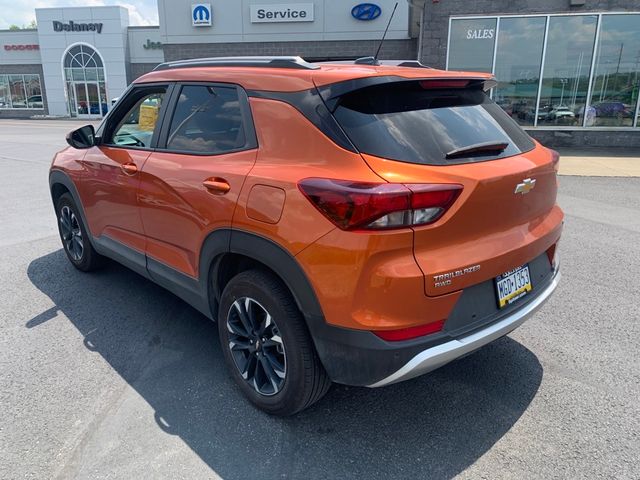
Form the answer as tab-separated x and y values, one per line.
286	12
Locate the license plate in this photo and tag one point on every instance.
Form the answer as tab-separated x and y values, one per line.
513	285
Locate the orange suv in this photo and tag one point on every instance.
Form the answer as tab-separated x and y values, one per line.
361	223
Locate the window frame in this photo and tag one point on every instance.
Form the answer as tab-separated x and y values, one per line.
123	107
251	140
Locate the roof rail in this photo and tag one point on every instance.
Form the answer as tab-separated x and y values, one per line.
393	63
265	62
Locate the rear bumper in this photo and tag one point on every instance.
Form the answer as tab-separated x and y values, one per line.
357	357
437	356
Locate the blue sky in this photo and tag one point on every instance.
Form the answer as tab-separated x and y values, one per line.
21	12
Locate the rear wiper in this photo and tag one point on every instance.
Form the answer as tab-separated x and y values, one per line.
483	147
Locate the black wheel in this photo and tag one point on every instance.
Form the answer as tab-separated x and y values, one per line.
74	236
267	346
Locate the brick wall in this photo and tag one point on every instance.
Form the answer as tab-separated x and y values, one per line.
588	138
138	69
25	69
392	49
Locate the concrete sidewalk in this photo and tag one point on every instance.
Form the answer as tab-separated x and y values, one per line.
619	162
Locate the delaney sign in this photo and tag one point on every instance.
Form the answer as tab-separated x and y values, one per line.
76	27
286	12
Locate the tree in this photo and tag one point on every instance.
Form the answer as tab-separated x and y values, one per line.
32	25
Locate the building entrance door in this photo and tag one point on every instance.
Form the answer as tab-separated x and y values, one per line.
86	83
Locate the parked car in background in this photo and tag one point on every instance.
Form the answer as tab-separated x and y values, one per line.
332	218
561	114
530	115
617	110
507	106
35	101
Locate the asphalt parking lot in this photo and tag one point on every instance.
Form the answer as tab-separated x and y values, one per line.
107	375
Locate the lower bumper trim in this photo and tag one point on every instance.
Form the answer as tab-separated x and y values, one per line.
437	356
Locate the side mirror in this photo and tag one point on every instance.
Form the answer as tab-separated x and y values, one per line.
84	137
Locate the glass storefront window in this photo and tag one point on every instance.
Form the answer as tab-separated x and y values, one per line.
91	74
471	44
18	94
20	91
77	74
517	66
567	65
34	92
5	93
575	89
616	80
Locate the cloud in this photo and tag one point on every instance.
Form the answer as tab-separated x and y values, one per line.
22	12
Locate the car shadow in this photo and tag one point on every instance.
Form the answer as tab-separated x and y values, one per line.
431	427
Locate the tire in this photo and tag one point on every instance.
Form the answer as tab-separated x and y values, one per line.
283	374
75	237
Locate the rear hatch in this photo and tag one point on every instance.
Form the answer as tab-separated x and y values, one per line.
451	132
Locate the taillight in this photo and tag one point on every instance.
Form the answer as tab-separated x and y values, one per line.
379	206
411	332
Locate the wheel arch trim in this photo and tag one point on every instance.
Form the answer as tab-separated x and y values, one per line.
270	254
60	177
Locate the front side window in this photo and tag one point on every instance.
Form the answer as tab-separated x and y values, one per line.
207	120
136	127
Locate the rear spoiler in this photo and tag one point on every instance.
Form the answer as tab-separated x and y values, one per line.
331	93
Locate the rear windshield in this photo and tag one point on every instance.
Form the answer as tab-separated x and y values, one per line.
412	122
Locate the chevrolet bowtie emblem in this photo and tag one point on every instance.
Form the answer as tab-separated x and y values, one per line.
526	186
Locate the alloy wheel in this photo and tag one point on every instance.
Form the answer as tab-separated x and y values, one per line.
256	346
71	233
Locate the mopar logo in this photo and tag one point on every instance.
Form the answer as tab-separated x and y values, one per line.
201	14
366	11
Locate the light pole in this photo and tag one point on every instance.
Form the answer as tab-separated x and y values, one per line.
563	81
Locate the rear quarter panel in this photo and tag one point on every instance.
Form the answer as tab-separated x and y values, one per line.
488	225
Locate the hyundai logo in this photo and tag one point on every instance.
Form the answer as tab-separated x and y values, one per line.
366	11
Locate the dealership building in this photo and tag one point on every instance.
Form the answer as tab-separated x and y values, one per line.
568	70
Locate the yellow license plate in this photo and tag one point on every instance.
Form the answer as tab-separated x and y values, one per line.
513	285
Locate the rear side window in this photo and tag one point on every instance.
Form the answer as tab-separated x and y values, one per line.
207	120
417	123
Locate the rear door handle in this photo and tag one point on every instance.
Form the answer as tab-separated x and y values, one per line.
129	168
217	185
